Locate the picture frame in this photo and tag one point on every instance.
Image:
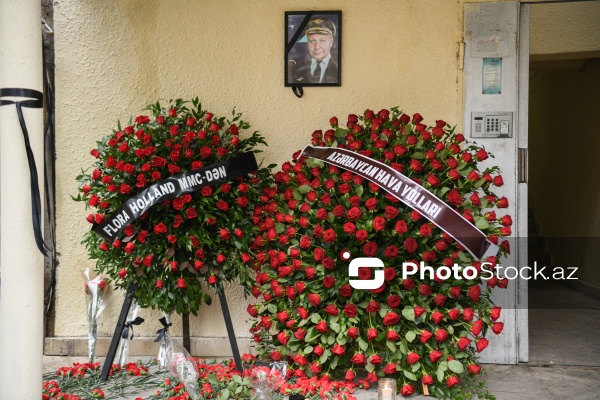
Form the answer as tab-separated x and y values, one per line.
313	48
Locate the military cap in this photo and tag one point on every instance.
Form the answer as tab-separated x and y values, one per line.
320	26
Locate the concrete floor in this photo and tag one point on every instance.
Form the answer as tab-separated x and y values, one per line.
564	352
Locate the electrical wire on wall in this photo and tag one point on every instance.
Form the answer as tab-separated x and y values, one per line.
50	262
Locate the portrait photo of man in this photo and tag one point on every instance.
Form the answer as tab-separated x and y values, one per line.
313	60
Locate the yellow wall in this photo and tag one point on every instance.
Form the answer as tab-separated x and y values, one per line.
565	30
115	56
564	138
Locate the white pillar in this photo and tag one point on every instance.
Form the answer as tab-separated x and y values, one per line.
22	266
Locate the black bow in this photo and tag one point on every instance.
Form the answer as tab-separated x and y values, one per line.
162	332
129	324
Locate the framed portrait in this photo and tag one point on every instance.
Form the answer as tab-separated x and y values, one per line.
313	50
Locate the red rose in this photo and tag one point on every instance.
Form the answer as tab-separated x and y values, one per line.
389	369
352	332
379	223
463	343
410	245
401	227
370	248
425	230
451	381
481	344
497	327
373	306
437	317
392	335
468	314
391	318
394	301
191	213
371	334
329	235
495	313
424	289
354	213
441	335
305	242
318	350
345	290
350	310
425	336
338	350
474	369
435	356
454	197
283	338
474	292
362	235
359	359
453	314
314	299
412	358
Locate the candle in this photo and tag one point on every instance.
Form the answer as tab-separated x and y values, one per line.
386	389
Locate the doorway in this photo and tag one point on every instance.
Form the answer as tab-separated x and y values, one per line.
563	183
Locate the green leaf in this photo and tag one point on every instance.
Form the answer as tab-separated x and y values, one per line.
363	344
370	367
479	182
439	374
272	308
304	189
456	367
463	257
482	223
410	336
403	348
224	394
410	375
409	314
315	318
334	362
279	227
212	378
308	349
237	379
390	345
359	190
415	367
323	358
335	327
417	155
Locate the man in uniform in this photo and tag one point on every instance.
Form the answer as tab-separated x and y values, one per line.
320	67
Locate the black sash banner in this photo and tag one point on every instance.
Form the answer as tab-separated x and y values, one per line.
410	193
172	187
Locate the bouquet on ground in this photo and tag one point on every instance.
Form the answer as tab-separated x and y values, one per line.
167	249
94	290
426	333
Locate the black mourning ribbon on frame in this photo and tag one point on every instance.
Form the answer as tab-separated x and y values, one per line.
35	101
128	325
162	332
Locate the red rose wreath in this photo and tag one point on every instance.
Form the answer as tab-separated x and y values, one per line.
426	333
177	243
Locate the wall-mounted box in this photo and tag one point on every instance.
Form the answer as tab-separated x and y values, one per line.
491	124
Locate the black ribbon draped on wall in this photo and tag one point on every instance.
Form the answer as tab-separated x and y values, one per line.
35	100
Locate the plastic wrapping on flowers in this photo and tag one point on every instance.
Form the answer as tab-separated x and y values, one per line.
426	333
176	244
